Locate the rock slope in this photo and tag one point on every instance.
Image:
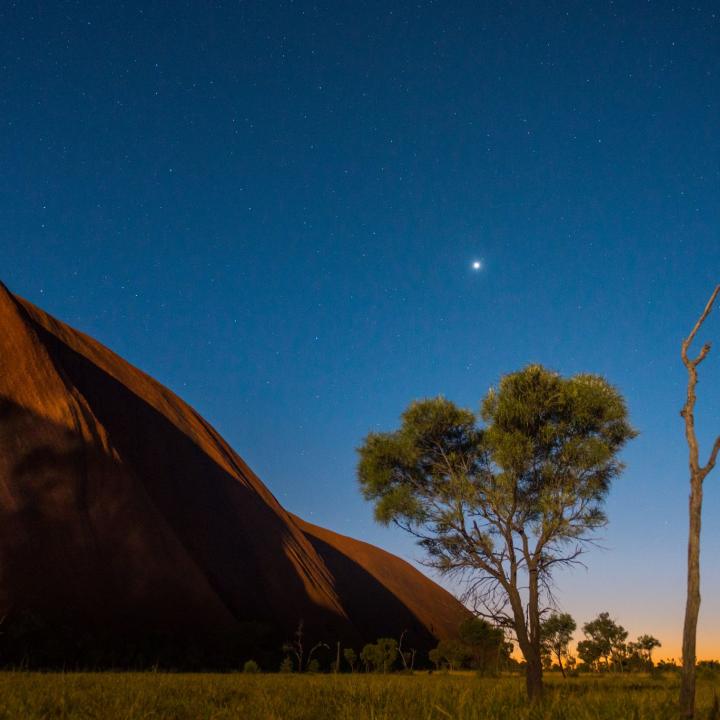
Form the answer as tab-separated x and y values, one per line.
122	508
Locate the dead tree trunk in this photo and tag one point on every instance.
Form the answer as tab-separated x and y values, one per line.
698	474
400	650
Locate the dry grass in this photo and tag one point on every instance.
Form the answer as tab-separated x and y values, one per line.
150	696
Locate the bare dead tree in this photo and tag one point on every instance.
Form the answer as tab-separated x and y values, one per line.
296	646
297	649
406	655
698	473
400	649
315	647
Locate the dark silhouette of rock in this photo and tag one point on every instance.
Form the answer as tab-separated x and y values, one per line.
123	512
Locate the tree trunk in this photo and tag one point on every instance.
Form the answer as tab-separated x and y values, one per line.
533	674
562	669
692	606
697	476
528	637
534	677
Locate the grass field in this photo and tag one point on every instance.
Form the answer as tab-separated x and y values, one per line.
160	696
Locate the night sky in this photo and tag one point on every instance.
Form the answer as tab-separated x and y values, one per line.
274	209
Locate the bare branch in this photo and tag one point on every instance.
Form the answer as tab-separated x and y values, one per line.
688	411
702	354
713	457
688	341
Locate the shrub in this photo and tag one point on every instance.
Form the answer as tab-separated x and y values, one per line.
381	656
251	667
350	658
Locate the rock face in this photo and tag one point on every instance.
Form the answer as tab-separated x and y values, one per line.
124	512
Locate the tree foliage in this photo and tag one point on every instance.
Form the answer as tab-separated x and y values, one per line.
450	653
639	653
604	643
646	644
557	631
501	504
350	658
479	645
485	643
380	656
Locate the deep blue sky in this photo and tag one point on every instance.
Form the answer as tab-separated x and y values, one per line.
273	208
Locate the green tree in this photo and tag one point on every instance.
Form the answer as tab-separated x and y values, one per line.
380	656
604	640
557	631
350	658
453	653
501	506
646	644
484	642
368	657
251	667
435	657
387	652
590	653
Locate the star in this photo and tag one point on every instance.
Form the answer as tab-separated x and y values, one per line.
477	265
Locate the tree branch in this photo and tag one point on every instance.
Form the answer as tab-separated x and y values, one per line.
688	341
713	457
688	411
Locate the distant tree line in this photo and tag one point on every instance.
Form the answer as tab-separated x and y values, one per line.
604	647
485	648
477	645
29	642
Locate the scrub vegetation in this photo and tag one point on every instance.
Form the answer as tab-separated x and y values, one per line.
357	696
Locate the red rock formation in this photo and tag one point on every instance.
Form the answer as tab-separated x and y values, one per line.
121	507
377	589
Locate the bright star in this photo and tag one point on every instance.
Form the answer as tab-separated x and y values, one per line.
477	265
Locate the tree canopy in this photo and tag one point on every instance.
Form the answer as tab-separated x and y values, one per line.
380	656
500	503
604	641
557	631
